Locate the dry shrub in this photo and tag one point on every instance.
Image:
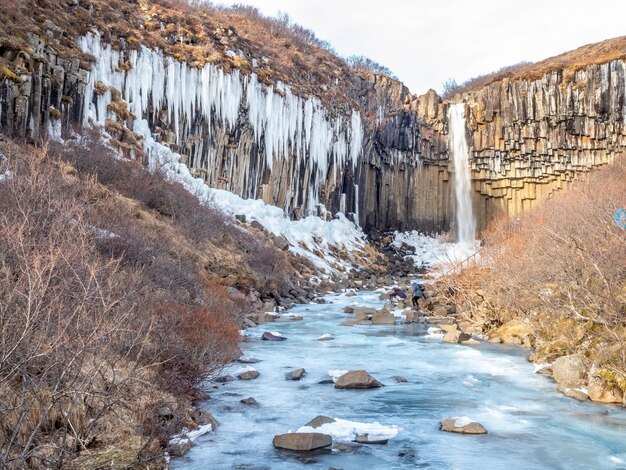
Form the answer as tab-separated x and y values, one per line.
561	266
104	312
65	318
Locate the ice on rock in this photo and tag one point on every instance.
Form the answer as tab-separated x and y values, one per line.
336	373
343	430
286	125
462	421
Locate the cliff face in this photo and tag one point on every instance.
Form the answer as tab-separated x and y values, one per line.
381	155
530	138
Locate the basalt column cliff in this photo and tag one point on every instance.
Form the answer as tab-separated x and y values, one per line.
372	149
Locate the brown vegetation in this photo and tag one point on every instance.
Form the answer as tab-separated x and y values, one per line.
195	33
561	269
119	294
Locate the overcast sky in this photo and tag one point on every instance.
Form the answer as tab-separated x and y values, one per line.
426	42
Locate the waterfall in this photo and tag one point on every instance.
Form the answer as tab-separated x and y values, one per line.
465	222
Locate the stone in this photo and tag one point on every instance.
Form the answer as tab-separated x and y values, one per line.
248	360
357	379
302	441
179	446
364	439
455	337
399	379
269	336
348	309
461	426
249	401
326	382
448	328
295	374
577	393
382	317
288	318
440	311
203	417
363	312
513	332
569	371
470	342
319	421
249	375
600	391
224	379
257	225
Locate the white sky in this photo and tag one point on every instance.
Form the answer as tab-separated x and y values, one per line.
427	42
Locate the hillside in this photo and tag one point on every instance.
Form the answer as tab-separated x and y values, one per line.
237	38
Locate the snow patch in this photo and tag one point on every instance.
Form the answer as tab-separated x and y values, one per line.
434	253
336	373
463	421
343	430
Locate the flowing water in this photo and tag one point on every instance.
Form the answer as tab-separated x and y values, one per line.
465	222
530	424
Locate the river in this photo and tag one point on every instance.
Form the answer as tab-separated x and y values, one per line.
530	424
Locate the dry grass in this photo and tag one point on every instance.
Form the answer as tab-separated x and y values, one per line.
283	51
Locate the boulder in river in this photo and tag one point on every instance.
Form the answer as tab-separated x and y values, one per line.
357	379
569	371
179	446
382	317
601	391
320	421
462	425
364	439
399	379
247	360
455	336
295	374
272	336
224	379
249	401
302	441
248	375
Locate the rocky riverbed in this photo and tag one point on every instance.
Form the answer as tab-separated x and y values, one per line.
425	384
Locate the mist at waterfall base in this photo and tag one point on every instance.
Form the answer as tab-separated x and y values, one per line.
465	221
531	426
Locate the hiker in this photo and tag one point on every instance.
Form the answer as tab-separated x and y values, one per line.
418	293
396	293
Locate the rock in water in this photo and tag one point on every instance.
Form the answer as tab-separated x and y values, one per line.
249	375
455	337
462	426
320	421
357	379
399	378
569	371
295	374
383	317
179	446
249	401
302	441
364	439
272	336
